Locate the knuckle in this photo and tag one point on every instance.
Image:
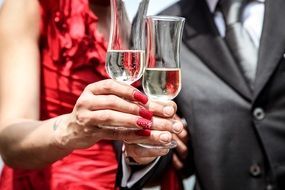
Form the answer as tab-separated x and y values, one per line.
111	100
81	118
184	135
103	116
137	152
174	105
82	102
108	84
105	100
89	87
184	150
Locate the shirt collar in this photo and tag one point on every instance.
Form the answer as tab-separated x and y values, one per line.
213	4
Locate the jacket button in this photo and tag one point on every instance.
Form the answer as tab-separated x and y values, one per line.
269	187
258	114
255	170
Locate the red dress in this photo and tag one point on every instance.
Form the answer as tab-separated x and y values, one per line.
72	56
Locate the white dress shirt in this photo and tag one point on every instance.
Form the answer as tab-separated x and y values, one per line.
252	21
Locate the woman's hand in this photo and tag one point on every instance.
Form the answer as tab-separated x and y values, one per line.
110	103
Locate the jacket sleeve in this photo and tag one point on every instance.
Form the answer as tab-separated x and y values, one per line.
151	177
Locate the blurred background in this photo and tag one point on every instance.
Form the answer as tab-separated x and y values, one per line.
155	7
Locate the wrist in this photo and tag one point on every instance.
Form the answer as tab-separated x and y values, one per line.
61	134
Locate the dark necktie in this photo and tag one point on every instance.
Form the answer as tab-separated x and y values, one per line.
237	38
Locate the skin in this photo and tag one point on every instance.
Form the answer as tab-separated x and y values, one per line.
25	141
145	156
180	155
139	154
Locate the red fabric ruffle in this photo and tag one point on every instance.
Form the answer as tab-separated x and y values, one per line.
71	36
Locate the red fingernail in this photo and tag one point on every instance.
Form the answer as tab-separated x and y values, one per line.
143	133
145	113
144	123
140	97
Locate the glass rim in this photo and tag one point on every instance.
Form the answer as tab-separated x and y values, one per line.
165	18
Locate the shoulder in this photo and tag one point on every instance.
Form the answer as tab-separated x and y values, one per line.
180	8
19	17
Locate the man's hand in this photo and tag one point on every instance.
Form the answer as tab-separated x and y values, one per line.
181	151
143	156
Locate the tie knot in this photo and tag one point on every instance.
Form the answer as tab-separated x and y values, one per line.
231	10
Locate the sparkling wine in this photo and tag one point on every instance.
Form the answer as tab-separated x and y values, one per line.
162	83
125	65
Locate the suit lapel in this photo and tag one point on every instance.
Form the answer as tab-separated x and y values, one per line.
272	43
201	36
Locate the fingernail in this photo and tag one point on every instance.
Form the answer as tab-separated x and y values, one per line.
140	97
145	113
165	137
177	127
144	133
144	123
168	110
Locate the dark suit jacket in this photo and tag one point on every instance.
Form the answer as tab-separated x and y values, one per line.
237	135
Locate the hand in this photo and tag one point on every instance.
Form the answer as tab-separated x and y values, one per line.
181	151
115	104
163	125
145	156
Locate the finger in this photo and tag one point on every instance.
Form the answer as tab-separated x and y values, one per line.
110	86
155	138
134	136
112	102
112	118
181	148
162	108
144	160
171	125
184	136
137	152
123	135
178	165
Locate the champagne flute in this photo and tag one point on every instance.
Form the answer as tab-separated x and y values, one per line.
125	59
162	76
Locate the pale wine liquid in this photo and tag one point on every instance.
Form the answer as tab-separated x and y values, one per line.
125	65
162	83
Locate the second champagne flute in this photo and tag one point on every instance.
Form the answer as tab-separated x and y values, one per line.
162	77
